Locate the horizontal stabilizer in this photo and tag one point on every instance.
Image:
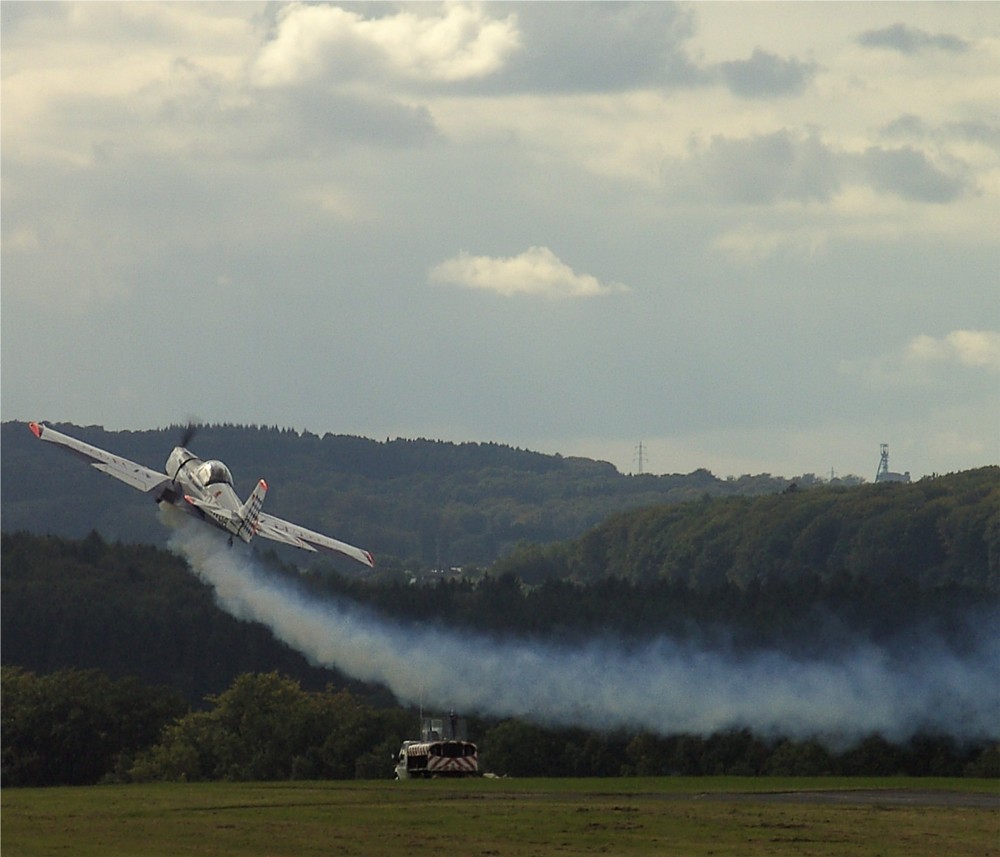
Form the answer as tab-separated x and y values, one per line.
215	509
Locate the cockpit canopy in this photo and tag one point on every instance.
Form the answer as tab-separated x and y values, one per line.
213	472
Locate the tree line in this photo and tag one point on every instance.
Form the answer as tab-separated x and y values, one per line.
77	727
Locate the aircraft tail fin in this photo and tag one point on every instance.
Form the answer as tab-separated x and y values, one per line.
250	512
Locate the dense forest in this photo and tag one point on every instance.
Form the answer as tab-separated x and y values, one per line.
936	532
120	665
128	610
875	556
803	570
421	504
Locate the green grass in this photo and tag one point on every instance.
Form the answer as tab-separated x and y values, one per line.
512	818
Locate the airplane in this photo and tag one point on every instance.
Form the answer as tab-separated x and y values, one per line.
203	489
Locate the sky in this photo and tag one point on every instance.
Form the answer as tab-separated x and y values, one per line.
756	238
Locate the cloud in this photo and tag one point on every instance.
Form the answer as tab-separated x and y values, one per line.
453	42
768	168
909	126
525	47
321	119
972	348
789	165
537	272
911	40
913	364
906	125
908	173
601	47
765	75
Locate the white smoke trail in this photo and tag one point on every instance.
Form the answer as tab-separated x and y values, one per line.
663	686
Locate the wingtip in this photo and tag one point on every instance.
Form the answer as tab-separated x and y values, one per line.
371	559
36	429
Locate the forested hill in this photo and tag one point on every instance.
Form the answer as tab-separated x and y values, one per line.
882	558
423	502
938	532
908	569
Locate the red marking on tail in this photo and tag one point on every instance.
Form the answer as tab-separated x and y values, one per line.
36	429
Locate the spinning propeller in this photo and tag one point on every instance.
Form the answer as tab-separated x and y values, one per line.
189	432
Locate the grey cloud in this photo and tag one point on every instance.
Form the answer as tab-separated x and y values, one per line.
214	120
308	118
324	119
977	132
906	172
782	166
765	169
911	40
908	126
766	75
597	46
14	15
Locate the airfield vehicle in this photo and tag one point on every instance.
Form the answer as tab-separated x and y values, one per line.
437	756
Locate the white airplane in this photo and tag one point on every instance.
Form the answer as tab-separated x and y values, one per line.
203	489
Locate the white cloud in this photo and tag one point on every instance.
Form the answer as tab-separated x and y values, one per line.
338	203
974	348
753	244
536	272
454	42
25	239
914	364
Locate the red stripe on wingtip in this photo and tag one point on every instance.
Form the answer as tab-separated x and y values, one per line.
371	559
36	429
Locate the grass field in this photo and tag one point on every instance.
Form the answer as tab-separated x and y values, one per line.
510	818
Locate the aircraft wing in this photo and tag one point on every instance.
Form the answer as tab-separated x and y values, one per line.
142	478
274	528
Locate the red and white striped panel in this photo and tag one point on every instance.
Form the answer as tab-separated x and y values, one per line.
460	765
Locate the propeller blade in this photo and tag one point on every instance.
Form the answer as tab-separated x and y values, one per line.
189	433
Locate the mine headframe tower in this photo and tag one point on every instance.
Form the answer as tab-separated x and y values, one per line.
883	474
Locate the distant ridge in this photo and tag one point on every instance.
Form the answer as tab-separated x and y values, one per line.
422	502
